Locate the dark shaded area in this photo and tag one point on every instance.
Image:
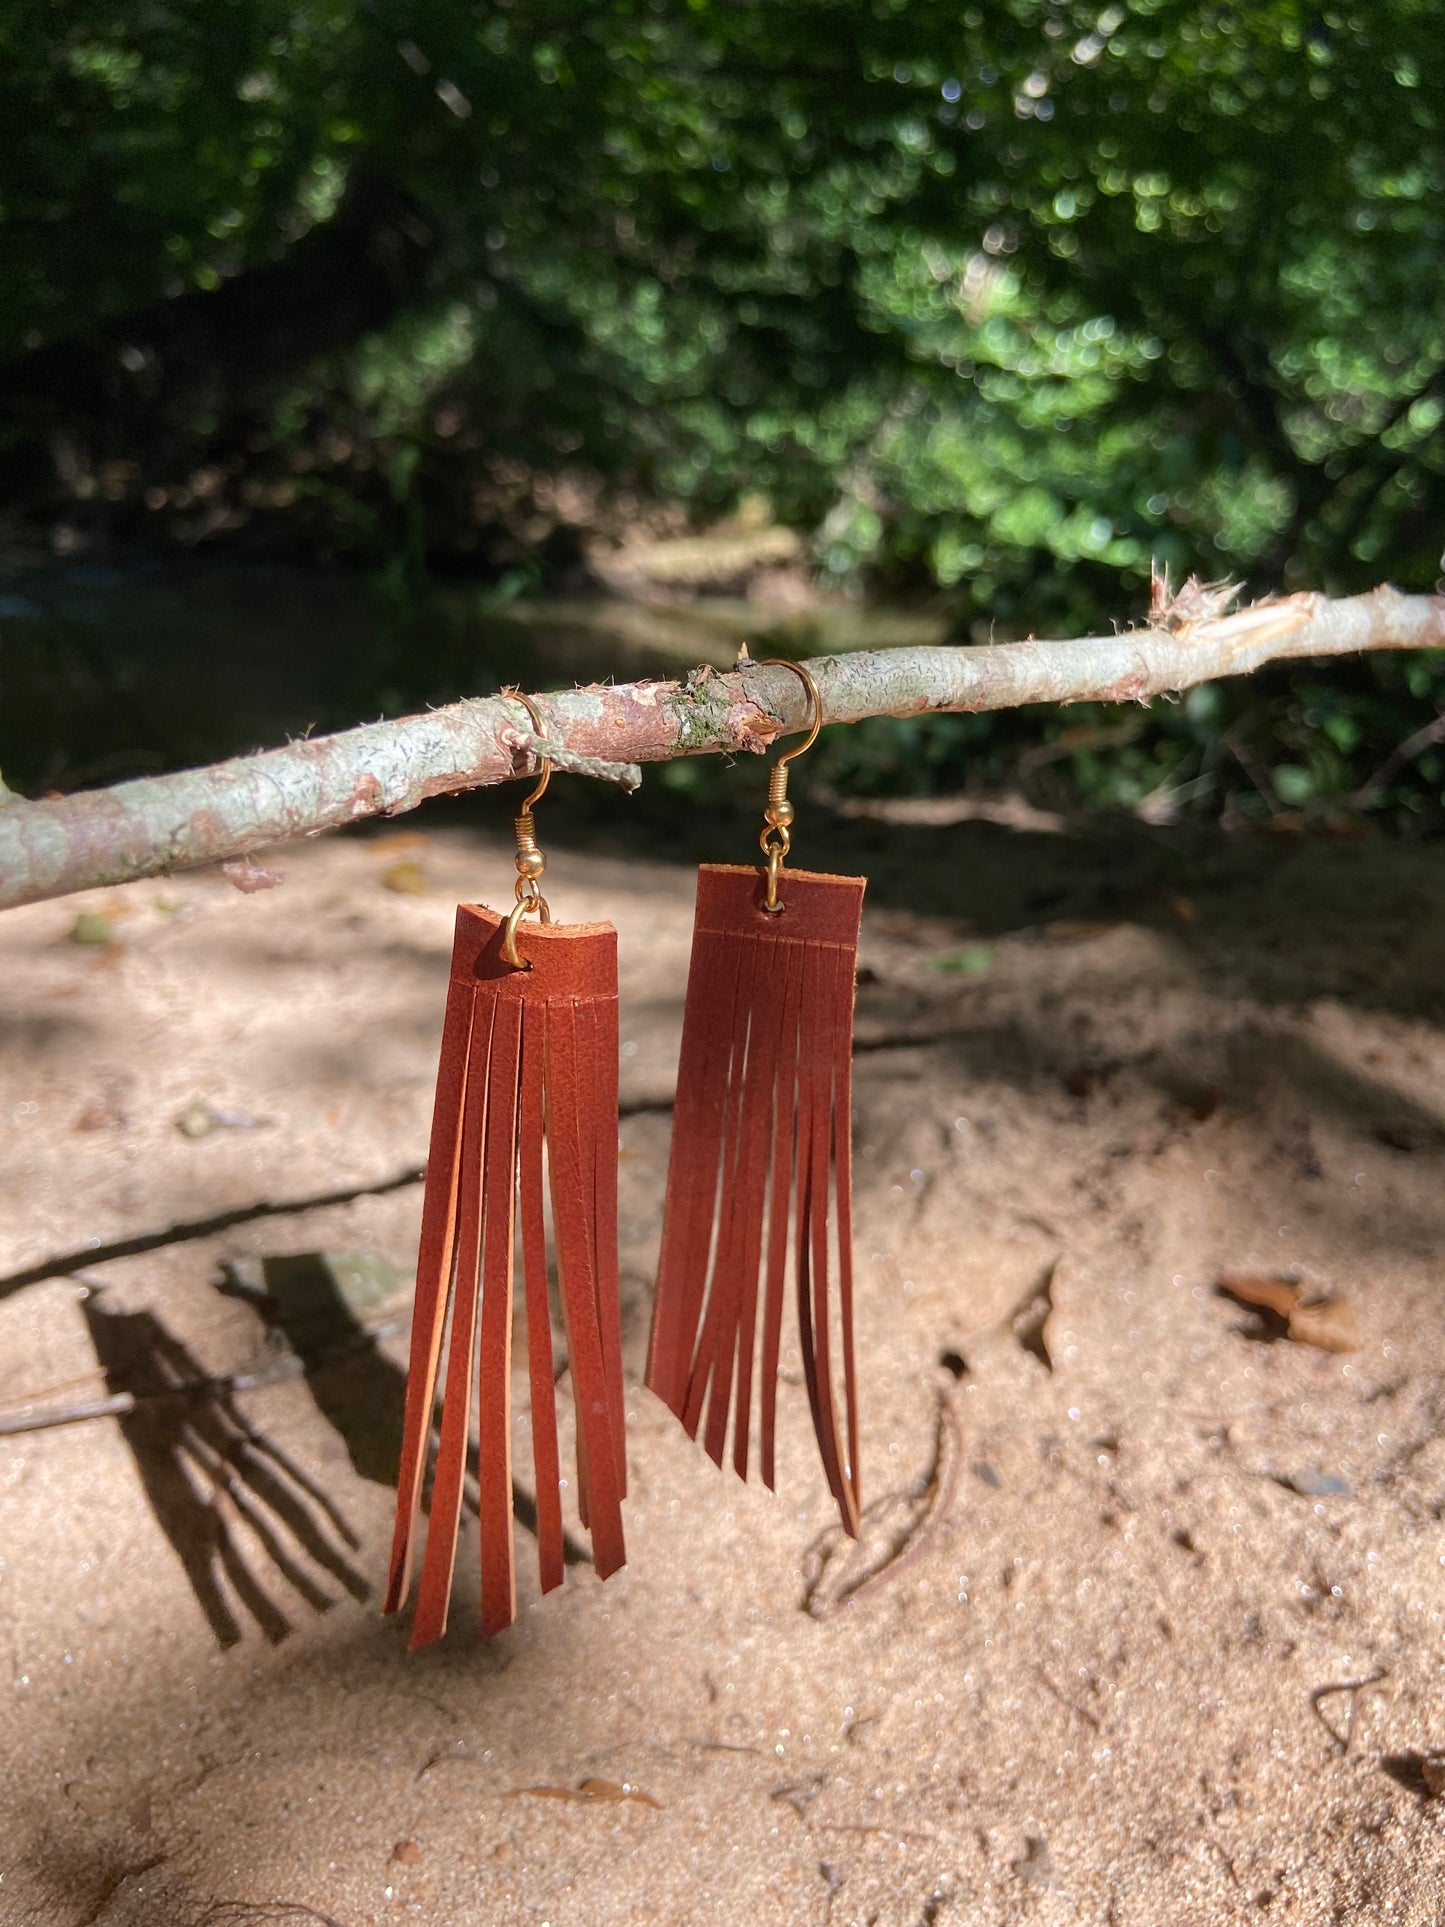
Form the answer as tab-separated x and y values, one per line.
941	879
1410	1771
307	1309
98	665
207	1472
136	388
357	1390
1262	1325
1029	1319
262	1913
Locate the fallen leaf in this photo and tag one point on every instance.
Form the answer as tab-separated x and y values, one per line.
1328	1323
612	1790
1279	1295
92	926
972	961
406	878
589	1791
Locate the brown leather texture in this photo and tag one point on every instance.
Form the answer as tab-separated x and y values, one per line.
761	1171
527	1081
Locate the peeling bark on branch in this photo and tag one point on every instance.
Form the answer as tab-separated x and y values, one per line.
163	823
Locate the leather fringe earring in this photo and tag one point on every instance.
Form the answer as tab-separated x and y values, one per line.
761	1154
528	1067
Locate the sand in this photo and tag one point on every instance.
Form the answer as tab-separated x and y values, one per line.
1146	1626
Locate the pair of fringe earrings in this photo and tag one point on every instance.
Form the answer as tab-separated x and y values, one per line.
760	1175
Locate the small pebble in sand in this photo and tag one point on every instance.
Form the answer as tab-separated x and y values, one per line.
92	926
200	1118
405	879
407	1852
1317	1485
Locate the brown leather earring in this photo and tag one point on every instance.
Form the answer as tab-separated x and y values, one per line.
528	1061
761	1149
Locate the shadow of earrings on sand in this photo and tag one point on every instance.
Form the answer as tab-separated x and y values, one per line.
232	1504
237	1509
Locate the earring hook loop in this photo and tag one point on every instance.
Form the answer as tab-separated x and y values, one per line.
799	749
776	839
530	861
545	762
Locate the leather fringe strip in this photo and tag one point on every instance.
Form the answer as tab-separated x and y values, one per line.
761	1148
528	1059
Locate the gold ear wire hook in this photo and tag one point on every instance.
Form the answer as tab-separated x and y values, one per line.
776	839
530	861
544	774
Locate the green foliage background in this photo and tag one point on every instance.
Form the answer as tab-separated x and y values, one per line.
996	302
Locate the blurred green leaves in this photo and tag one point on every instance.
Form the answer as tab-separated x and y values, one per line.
975	960
997	303
992	292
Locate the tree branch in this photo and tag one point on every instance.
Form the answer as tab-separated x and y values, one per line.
163	823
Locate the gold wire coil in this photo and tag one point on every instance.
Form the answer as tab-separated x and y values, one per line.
530	861
776	837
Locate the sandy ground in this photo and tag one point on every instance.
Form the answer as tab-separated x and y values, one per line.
1147	1624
